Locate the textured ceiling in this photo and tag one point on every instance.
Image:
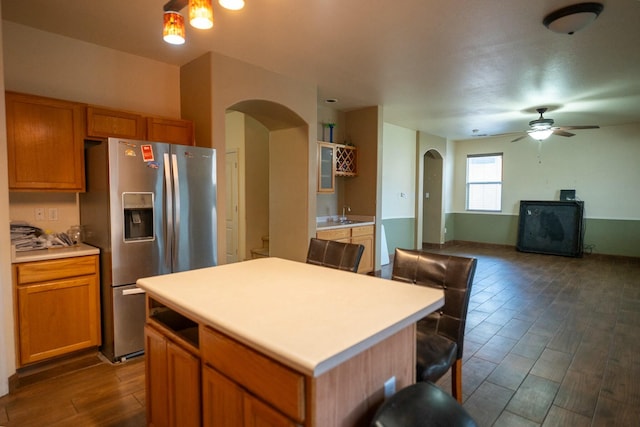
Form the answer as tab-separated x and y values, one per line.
444	67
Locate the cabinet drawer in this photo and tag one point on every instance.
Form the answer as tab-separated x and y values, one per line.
274	383
41	271
362	231
335	234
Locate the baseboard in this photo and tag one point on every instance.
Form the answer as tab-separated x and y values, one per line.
53	368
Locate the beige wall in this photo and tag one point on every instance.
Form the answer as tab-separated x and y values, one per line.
257	188
7	349
233	82
45	64
599	164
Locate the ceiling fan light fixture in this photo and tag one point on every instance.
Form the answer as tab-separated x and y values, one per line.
201	14
173	31
232	4
540	134
572	18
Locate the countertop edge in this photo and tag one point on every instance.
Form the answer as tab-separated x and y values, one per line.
82	249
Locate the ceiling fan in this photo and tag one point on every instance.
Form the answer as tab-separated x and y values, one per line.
542	128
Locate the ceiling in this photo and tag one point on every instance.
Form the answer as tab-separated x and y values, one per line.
443	67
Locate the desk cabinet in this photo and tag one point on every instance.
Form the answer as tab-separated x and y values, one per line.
45	143
57	307
362	235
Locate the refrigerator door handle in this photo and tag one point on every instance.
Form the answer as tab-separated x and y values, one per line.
168	230
176	231
133	291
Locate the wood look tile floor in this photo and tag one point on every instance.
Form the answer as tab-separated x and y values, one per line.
551	341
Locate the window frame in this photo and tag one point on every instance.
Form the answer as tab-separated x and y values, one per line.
468	183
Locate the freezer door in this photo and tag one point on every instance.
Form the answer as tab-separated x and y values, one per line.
139	234
128	321
195	243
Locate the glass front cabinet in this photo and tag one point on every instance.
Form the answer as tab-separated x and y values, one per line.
326	167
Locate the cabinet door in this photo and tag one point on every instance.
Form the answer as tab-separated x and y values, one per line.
221	400
103	123
326	168
184	387
258	414
57	317
172	382
45	143
156	378
171	131
366	262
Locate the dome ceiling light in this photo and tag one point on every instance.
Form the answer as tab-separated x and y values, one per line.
573	18
200	16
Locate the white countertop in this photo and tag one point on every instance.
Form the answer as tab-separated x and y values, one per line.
333	222
81	249
308	317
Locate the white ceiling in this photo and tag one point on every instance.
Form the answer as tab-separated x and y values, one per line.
444	67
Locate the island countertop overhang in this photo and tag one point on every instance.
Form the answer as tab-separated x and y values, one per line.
307	317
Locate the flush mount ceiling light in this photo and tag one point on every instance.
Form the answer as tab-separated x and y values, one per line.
200	16
573	18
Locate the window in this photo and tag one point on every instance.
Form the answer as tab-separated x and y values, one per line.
484	182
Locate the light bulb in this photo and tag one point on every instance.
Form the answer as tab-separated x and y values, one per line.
541	134
232	4
201	14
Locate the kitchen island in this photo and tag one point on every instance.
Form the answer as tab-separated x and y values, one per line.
278	342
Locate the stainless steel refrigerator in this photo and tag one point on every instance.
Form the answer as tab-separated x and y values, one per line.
151	209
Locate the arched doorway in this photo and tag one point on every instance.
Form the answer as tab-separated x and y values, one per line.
432	212
270	145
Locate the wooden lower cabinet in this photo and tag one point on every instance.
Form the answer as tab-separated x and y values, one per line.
225	402
57	307
362	235
220	382
173	382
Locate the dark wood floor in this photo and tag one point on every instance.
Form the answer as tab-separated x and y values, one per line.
551	341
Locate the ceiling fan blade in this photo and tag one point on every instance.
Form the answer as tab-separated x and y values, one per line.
561	132
579	127
520	137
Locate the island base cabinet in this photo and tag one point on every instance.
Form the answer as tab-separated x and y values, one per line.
173	382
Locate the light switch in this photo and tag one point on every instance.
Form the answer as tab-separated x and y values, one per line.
426	195
53	214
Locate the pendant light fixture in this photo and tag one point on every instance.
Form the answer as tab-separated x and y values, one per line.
201	14
173	31
232	4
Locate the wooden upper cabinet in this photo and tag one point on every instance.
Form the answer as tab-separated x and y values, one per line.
45	143
173	131
104	123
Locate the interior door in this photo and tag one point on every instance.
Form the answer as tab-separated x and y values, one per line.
232	221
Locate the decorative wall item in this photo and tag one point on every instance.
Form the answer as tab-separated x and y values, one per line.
330	126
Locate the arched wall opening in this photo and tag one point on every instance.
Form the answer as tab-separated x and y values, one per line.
266	181
432	199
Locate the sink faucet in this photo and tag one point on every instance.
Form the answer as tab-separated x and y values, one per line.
347	209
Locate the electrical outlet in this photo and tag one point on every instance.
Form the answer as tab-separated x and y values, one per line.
39	214
389	387
53	214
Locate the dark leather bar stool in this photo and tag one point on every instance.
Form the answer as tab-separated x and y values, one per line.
332	254
440	336
420	405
